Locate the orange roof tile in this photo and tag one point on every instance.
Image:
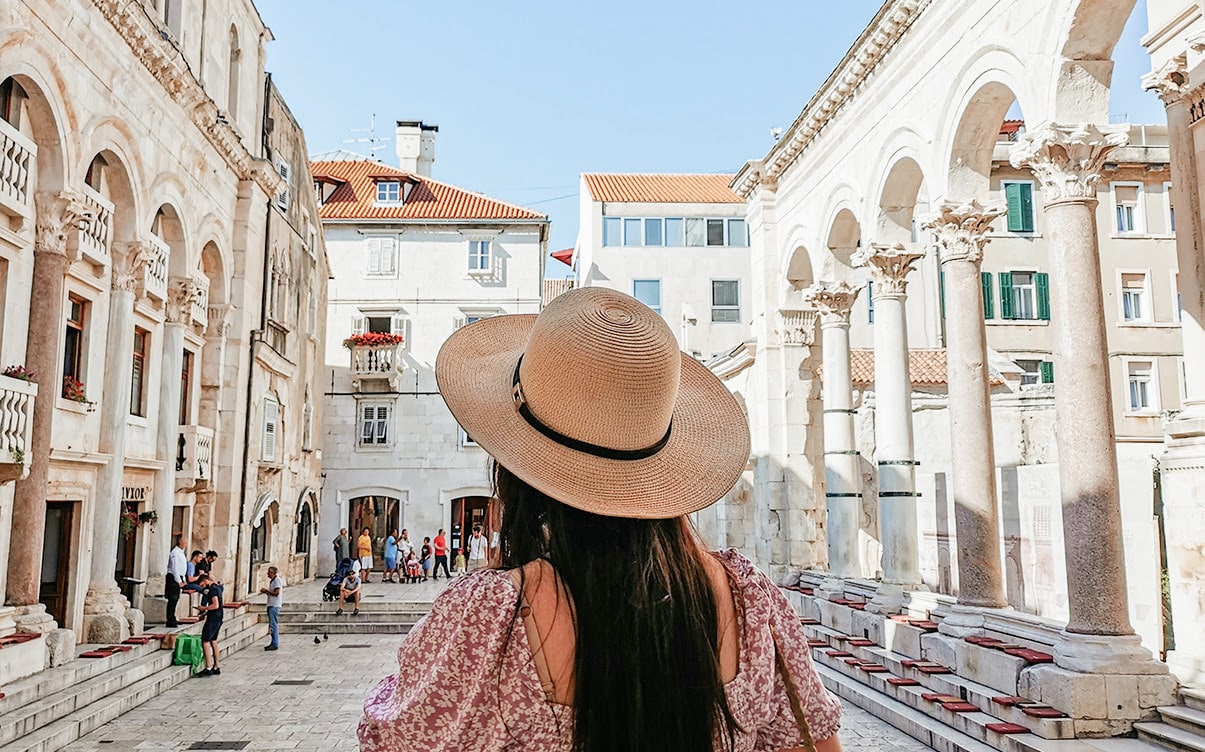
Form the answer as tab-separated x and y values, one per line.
927	367
661	189
355	198
555	287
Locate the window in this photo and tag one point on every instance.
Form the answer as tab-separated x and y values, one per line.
465	439
1140	377
271	430
389	192
1019	198
282	198
648	291
186	388
612	231
631	232
870	301
374	425
1046	368
1126	203
1134	306
738	233
1171	209
259	541
382	256
696	232
675	232
1031	371
305	529
307	424
726	301
1024	296
715	232
73	344
479	257
653	234
138	373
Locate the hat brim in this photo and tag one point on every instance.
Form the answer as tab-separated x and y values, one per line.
707	451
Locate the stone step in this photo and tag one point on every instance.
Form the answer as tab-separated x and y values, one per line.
346	625
302	617
1193	697
1183	717
1170	737
366	604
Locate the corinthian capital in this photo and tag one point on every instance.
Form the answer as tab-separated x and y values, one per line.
833	301
58	215
798	326
182	293
129	266
1170	80
960	229
1067	159
889	267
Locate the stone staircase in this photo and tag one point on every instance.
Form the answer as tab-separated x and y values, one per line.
375	617
49	710
1180	727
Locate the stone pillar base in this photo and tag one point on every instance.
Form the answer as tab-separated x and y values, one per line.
1105	654
1099	705
60	647
34	619
104	615
963	621
832	587
135	620
154	609
888	599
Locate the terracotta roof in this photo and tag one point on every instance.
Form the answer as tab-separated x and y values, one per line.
555	287
564	256
355	198
927	367
661	189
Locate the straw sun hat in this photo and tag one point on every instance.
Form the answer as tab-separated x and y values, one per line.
592	403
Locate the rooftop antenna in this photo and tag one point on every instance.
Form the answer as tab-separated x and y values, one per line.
376	143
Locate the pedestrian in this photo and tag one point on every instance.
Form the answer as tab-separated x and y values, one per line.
460	565
349	592
391	558
364	551
441	554
478	549
212	607
404	546
647	640
193	572
425	558
174	579
275	585
342	545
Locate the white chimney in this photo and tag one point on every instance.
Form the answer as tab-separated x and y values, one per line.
415	143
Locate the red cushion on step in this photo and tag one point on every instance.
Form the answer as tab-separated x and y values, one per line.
840	638
838	653
807	591
860	643
95	654
899	681
840	601
119	648
914	662
933	670
1043	713
1009	700
928	626
873	668
979	639
858	606
1032	656
1006	728
939	697
853	661
960	707
817	643
135	641
809	622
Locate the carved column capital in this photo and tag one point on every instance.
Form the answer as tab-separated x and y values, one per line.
182	293
798	326
1067	159
833	300
1170	80
58	215
129	266
960	229
889	267
219	320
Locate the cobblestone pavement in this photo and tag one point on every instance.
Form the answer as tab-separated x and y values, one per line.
243	704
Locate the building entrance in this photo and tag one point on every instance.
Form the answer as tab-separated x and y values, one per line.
381	515
56	558
467	512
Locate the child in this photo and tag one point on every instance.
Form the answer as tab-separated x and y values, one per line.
414	570
461	565
426	559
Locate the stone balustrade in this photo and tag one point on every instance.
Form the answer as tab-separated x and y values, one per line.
376	362
200	306
96	230
18	156
194	456
155	280
16	426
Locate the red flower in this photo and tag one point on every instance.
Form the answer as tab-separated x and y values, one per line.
372	339
73	389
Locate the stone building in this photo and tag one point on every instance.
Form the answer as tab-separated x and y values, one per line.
414	259
149	221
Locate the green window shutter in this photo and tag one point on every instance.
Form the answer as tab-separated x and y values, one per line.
1046	370
1042	281
1026	206
1006	296
1012	195
988	308
941	292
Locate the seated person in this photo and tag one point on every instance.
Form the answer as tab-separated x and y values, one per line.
349	592
206	563
193	573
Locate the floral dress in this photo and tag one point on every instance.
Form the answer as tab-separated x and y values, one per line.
472	686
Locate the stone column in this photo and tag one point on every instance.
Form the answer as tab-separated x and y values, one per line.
842	475
1067	160
181	295
895	454
105	619
960	232
58	216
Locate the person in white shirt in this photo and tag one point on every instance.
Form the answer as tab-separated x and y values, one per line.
275	585
478	550
404	546
174	579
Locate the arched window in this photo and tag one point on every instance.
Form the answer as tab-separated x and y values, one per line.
12	102
259	540
305	528
235	74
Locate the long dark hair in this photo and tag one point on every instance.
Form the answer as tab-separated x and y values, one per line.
646	658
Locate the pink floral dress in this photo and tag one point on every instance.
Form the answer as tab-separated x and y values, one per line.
458	696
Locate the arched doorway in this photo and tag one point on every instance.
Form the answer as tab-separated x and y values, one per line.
469	512
304	536
380	514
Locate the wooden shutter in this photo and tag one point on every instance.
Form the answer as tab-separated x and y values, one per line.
941	292
374	255
1012	195
397	324
271	428
388	254
988	309
357	324
1042	282
1046	371
1026	207
1006	296
366	425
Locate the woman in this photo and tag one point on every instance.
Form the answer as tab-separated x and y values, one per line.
425	559
603	624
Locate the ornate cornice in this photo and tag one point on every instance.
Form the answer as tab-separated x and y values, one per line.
1067	159
182	293
58	214
1170	80
960	229
168	66
129	266
834	301
892	21
889	267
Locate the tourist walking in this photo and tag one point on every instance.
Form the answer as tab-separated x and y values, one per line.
478	550
276	584
425	558
212	608
646	641
342	546
364	551
174	579
441	554
391	558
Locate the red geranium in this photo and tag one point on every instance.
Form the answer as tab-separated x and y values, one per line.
73	389
372	339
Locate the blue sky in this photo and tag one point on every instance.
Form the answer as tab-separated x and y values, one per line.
529	94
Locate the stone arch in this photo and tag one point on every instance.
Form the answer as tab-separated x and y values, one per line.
213	268
168	225
46	105
1087	32
1091	28
898	200
108	172
844	237
798	275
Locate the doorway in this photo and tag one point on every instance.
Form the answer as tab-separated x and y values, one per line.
380	514
305	523
56	558
467	513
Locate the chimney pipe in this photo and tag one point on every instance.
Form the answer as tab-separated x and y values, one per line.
415	144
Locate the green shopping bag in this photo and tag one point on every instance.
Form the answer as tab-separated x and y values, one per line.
188	652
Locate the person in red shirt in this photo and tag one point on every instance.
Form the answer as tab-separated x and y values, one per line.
441	555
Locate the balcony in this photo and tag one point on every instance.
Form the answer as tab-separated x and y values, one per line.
16	425
194	457
17	159
96	232
200	306
376	362
155	271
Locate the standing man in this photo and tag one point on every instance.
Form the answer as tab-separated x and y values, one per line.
391	558
275	585
342	545
174	579
364	551
478	550
441	555
211	608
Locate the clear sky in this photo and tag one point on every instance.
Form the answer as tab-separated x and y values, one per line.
527	94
